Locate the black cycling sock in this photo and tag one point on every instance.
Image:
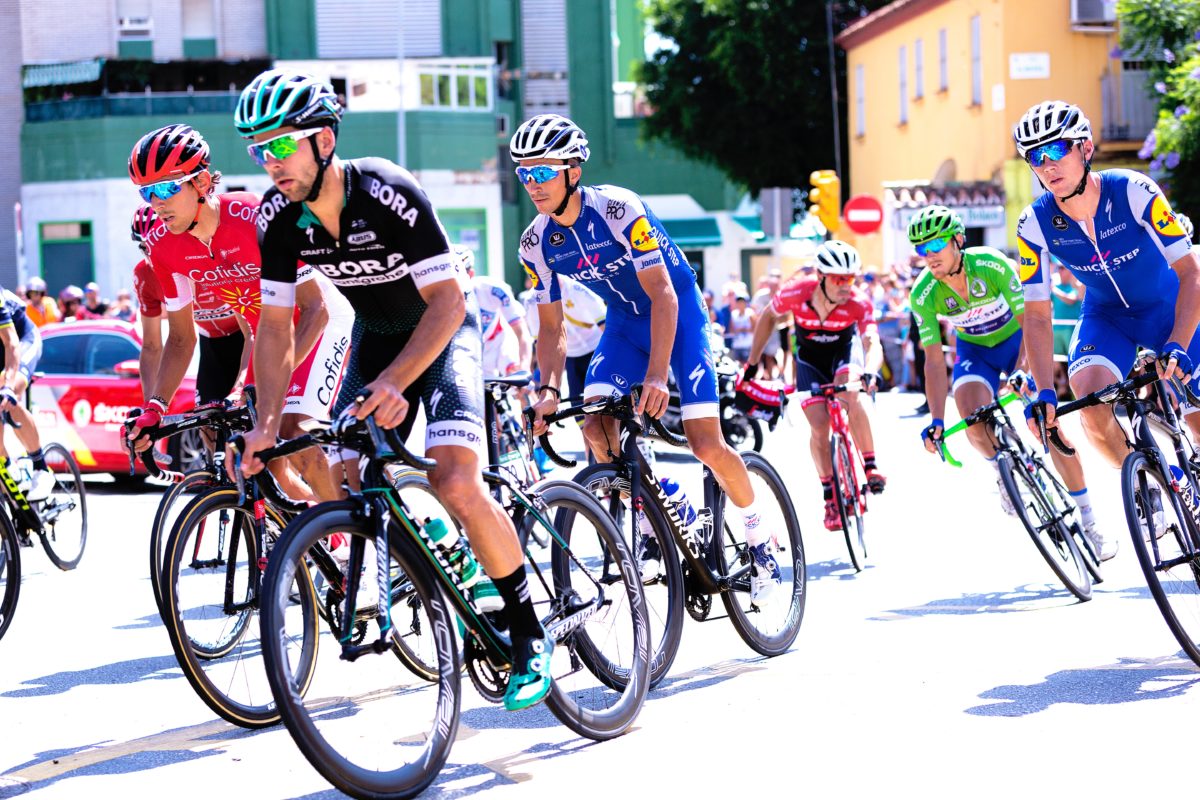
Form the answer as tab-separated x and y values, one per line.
522	620
39	460
827	488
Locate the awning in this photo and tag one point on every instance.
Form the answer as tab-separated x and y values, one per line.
63	74
752	223
693	232
807	228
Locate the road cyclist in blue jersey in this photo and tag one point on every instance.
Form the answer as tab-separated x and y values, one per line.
1116	232
607	239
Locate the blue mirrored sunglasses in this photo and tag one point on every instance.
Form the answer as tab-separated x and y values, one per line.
164	190
933	246
542	173
1055	151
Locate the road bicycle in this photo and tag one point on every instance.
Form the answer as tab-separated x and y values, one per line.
372	733
1161	516
1039	498
708	559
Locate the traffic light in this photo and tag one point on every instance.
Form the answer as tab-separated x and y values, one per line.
826	198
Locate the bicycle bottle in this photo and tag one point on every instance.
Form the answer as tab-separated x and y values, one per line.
683	507
1187	491
462	561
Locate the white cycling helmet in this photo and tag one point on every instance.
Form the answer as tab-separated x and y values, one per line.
465	255
838	258
1049	121
549	136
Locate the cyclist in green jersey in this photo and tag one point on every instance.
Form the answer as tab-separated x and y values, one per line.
978	291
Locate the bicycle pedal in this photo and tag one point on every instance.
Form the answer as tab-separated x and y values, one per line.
25	539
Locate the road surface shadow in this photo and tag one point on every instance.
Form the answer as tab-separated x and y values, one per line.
1128	681
834	568
1030	597
119	672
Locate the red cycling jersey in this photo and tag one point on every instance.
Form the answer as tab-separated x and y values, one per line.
228	266
796	296
214	319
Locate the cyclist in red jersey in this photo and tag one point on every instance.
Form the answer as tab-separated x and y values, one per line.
208	242
836	341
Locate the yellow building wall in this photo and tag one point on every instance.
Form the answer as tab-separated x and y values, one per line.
945	125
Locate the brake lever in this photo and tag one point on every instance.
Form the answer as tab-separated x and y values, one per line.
1039	414
237	443
1060	444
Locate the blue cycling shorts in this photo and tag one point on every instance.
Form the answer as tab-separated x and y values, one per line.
976	362
1109	336
623	354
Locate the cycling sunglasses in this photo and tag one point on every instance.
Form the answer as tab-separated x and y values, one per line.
542	173
932	246
840	280
279	147
165	190
1055	151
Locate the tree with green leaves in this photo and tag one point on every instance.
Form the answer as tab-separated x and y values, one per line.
745	86
1166	34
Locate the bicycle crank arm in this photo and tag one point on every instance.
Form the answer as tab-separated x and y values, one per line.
352	652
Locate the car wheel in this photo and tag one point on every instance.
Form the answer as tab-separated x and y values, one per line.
188	451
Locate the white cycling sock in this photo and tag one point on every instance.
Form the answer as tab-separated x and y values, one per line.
1085	507
756	533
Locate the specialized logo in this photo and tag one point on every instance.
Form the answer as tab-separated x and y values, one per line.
434	400
1164	219
1028	260
1059	222
1108	211
643	236
695	376
557	239
596	363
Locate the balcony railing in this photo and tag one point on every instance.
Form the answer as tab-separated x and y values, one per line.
132	105
1129	110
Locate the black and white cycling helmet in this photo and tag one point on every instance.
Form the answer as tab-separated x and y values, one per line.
549	136
838	258
1049	121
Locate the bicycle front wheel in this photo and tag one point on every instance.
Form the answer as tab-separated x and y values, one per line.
1166	547
10	572
64	512
771	627
368	725
846	494
211	598
1044	524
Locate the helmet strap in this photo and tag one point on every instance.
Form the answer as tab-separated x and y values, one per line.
827	297
196	219
961	258
566	198
1087	168
322	163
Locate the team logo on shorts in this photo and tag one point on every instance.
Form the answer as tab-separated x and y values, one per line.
1087	348
619	381
1059	222
557	238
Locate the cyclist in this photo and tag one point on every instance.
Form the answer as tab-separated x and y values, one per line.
207	242
22	345
836	341
607	239
977	290
501	318
416	330
1116	232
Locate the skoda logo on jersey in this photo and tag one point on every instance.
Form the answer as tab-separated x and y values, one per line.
557	238
1059	222
361	238
978	287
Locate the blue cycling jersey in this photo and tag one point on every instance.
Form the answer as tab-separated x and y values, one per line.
1128	263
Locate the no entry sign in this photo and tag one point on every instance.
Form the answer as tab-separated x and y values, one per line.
863	214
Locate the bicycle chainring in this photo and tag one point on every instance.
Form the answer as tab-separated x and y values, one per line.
490	682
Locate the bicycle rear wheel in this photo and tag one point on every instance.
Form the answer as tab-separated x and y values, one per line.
211	598
64	512
368	725
10	572
846	493
666	590
1167	548
1045	524
169	508
771	628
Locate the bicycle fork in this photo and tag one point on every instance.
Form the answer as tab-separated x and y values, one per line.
379	516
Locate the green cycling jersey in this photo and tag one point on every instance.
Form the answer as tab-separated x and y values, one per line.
986	316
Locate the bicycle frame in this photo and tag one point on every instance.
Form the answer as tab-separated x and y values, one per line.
26	518
839	425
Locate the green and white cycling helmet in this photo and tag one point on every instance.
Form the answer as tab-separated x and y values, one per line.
838	258
934	222
279	98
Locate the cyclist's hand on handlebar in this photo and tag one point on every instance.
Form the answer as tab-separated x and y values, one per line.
253	441
385	400
542	408
1040	413
654	397
871	381
931	436
1174	362
8	398
151	417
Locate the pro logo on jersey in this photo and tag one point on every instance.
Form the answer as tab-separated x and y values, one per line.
1028	260
536	282
1164	219
643	236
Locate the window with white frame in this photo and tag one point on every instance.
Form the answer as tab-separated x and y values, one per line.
458	85
860	105
903	66
976	63
943	69
919	69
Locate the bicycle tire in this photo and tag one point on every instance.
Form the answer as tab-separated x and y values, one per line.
343	711
739	430
608	710
10	572
745	619
845	493
1175	588
666	596
1050	535
214	645
1056	489
63	514
168	510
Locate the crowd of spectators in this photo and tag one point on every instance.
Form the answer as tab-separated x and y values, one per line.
74	303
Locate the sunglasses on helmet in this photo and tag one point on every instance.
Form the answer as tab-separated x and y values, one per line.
1055	151
932	246
278	147
165	190
542	173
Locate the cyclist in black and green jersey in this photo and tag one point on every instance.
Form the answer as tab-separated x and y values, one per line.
978	291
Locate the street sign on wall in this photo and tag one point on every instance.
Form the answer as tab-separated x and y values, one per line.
863	214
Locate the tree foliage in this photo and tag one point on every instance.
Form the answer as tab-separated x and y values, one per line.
1167	34
747	87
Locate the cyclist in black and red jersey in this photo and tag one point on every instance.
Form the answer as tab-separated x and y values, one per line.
836	341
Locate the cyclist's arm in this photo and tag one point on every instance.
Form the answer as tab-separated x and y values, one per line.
664	313
936	383
1187	304
523	349
764	329
151	355
12	353
551	344
873	360
1037	332
176	354
446	309
248	337
314	316
274	351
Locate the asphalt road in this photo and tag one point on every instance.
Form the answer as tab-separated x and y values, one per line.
952	666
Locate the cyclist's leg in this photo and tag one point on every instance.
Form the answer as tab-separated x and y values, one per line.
27	434
220	362
975	381
1104	351
620	360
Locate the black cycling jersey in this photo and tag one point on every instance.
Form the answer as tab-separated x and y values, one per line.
12	312
391	245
